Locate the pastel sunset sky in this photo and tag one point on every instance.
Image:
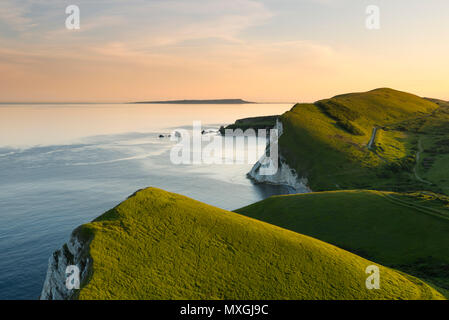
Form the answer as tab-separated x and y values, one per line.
267	50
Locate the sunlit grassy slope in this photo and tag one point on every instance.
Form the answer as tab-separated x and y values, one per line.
326	142
159	245
408	232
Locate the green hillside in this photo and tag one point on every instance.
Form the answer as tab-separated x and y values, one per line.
383	106
327	142
255	123
409	232
159	245
431	134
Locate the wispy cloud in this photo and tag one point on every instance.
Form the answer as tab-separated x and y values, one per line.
15	15
164	21
138	48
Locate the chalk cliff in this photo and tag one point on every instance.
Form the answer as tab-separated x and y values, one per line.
285	175
74	253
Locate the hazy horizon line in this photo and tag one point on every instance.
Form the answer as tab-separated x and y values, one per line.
127	102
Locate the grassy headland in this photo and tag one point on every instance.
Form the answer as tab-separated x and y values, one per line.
326	141
159	245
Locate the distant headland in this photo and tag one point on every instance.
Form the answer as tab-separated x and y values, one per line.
215	101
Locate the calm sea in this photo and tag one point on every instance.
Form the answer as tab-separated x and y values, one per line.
62	165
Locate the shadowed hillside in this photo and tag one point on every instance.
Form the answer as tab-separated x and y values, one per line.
407	231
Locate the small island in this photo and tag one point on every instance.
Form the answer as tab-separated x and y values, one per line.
214	101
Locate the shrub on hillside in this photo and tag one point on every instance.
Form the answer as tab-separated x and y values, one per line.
404	164
350	127
337	111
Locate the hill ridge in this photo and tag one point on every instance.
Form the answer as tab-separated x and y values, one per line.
159	245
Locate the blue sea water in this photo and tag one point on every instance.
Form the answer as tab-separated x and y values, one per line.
78	172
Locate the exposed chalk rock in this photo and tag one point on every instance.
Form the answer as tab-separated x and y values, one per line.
74	252
284	176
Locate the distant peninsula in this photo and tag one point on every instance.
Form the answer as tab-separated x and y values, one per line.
215	101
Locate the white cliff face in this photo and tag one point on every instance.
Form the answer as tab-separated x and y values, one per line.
74	252
285	175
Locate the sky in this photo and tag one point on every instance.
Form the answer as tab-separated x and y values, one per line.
268	50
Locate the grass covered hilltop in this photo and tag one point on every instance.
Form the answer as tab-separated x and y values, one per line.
159	245
326	142
378	165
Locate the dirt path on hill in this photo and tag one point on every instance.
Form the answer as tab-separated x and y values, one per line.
373	138
418	156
